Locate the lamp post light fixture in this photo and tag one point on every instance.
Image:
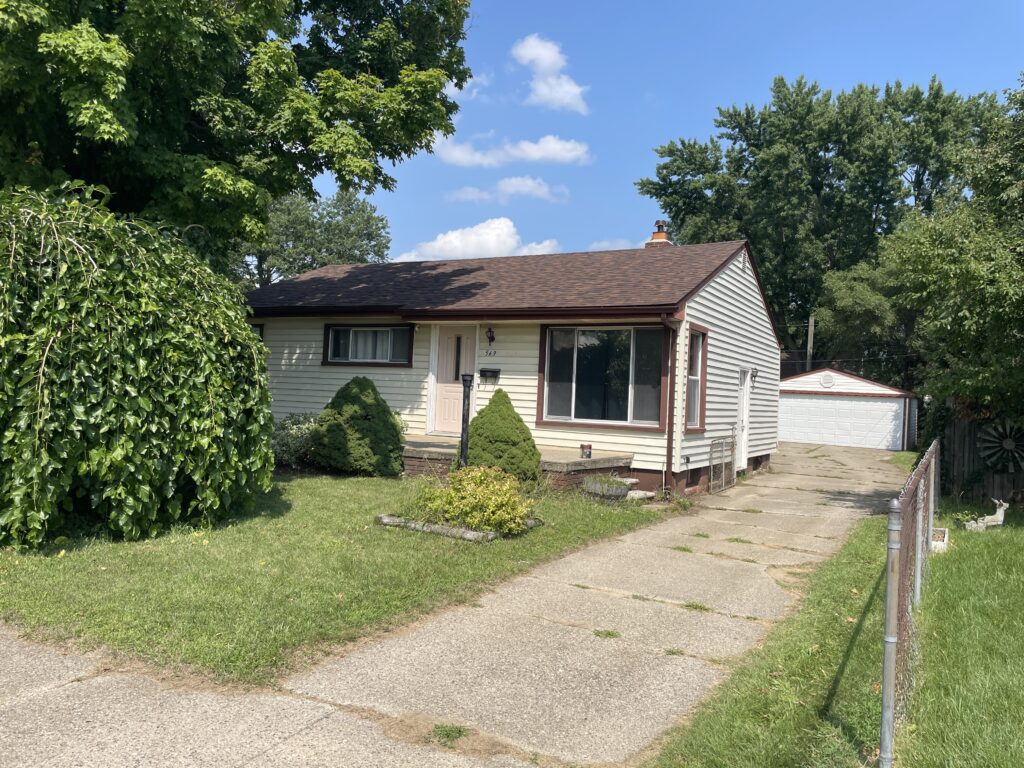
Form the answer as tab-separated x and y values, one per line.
467	389
490	336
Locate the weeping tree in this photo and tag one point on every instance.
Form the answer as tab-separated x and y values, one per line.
133	391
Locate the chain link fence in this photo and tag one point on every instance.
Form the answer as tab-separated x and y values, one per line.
911	522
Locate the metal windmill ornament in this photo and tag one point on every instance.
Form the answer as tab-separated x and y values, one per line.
1001	444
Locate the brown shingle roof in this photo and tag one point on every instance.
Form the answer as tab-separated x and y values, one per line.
642	279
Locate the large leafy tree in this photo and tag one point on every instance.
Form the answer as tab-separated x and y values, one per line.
814	180
200	112
961	272
304	234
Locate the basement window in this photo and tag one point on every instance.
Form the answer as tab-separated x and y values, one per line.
605	375
364	345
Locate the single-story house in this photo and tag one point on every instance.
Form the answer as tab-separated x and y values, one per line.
648	355
832	407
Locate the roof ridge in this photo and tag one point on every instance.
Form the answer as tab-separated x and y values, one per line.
491	259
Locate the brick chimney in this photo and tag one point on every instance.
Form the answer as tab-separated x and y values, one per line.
660	235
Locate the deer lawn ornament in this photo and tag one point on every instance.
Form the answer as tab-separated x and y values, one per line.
992	520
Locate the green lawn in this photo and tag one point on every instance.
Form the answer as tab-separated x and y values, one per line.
966	709
310	570
905	460
809	697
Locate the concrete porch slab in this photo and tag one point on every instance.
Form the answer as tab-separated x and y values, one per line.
552	458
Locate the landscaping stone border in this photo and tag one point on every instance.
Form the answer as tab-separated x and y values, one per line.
452	532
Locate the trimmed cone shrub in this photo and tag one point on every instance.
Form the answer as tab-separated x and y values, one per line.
133	392
498	437
357	433
478	498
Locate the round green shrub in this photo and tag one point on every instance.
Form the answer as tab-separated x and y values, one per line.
478	498
133	391
498	437
293	439
357	433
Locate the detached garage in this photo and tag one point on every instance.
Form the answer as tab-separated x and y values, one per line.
832	407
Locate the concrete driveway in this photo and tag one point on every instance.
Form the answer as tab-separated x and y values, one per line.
586	659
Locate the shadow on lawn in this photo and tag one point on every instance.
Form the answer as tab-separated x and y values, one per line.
265	505
825	712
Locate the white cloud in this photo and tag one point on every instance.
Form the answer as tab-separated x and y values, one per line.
473	88
549	87
544	56
494	237
612	244
544	246
547	149
530	186
469	195
510	187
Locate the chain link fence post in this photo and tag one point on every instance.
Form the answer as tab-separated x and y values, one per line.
892	581
920	499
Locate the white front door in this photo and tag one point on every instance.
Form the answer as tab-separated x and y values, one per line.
456	355
743	420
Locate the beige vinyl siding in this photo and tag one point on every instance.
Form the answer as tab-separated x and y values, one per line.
300	384
515	351
740	336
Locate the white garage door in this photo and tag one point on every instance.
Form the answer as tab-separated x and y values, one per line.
866	422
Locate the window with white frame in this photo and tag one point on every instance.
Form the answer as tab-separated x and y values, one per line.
604	374
354	345
695	379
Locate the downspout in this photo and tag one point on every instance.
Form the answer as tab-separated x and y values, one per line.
670	415
906	424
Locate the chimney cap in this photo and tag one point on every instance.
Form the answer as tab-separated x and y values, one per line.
659	236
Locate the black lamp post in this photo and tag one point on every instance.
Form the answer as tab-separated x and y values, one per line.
467	388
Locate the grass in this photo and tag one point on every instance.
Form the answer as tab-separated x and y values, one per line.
698	607
966	706
739	540
240	602
607	633
905	460
682	548
701	535
809	696
675	652
446	734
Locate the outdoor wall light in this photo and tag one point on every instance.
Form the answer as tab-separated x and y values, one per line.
490	336
753	376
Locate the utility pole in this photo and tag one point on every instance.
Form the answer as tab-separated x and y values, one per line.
810	342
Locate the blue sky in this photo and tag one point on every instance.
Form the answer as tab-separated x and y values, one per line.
570	98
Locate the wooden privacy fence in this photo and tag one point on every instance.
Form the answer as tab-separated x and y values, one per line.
982	459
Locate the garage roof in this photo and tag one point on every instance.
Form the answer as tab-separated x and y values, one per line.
831	381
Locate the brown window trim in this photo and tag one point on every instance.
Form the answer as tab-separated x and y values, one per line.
700	428
660	427
366	364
